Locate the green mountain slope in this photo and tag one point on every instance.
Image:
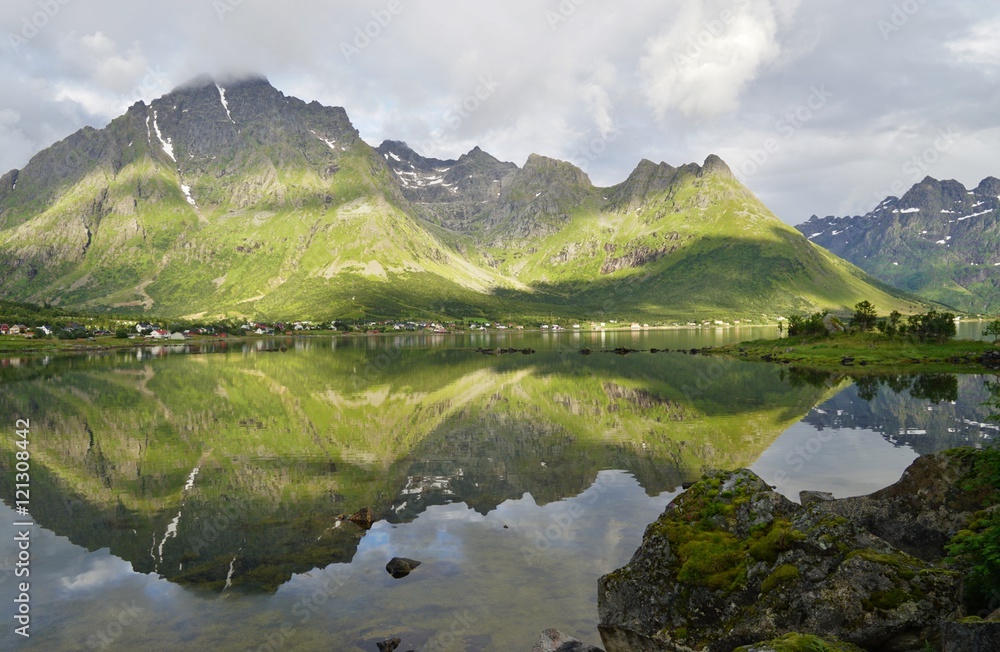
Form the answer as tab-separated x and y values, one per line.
231	199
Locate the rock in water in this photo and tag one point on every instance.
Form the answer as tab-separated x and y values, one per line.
400	567
731	562
552	640
389	645
363	518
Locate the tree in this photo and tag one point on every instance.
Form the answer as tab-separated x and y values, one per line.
933	325
864	316
993	329
890	326
811	325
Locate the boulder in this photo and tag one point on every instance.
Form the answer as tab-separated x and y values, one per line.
731	562
552	640
400	567
811	497
970	636
921	512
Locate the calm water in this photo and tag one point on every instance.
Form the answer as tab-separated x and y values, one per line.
187	499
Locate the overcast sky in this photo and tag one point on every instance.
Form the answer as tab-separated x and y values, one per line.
819	107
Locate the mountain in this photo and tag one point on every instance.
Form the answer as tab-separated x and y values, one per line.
228	198
939	240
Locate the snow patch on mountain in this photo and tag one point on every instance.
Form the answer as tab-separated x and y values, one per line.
168	147
225	104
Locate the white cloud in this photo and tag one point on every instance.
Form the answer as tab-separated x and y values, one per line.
979	45
700	63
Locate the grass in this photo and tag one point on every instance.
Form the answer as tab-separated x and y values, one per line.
870	352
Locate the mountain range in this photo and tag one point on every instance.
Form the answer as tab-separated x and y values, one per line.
939	240
228	198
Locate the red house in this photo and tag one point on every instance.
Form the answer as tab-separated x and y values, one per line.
4	329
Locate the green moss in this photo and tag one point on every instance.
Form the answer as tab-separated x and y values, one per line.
887	600
712	559
795	642
778	538
904	566
781	574
681	633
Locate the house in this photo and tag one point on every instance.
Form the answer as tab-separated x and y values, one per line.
46	330
4	329
17	329
179	336
159	334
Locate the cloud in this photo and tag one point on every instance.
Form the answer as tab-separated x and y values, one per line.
601	86
700	63
979	45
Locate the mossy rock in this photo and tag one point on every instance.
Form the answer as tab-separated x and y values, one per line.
730	561
800	643
780	575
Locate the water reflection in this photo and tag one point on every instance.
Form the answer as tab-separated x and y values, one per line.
187	474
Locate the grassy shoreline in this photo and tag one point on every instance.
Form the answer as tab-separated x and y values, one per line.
864	352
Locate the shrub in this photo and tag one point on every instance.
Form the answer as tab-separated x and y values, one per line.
864	317
811	325
933	325
890	325
993	329
978	548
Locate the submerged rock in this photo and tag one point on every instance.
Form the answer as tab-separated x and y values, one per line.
731	562
400	567
552	640
388	645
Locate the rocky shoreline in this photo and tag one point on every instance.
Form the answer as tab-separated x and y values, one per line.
733	565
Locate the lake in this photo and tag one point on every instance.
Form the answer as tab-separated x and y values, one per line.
191	497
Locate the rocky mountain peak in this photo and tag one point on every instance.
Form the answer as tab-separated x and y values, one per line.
714	165
990	186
